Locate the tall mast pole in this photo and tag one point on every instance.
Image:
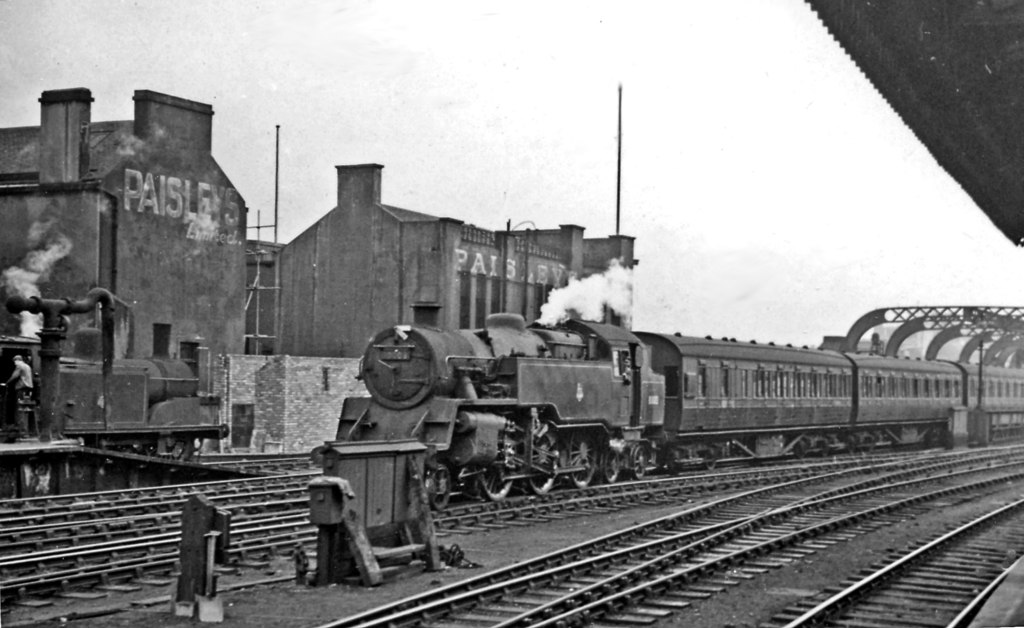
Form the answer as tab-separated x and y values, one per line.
618	169
277	169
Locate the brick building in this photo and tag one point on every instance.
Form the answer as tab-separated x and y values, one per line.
366	265
139	207
284	403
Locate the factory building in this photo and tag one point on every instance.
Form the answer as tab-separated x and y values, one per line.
139	207
365	266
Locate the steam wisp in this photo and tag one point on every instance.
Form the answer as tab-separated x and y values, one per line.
586	298
48	246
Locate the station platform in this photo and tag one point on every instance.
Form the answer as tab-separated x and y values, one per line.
1005	607
29	445
31	468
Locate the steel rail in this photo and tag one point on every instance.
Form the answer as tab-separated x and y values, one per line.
848	596
435	604
409	610
581	603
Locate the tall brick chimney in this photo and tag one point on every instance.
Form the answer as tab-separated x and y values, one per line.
359	185
64	135
186	124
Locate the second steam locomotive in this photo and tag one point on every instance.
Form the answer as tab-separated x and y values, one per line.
511	404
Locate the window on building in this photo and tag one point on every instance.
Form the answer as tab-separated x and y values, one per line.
479	300
161	340
465	300
497	286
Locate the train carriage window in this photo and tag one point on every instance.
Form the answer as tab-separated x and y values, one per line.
671	381
915	388
927	388
702	381
725	388
956	388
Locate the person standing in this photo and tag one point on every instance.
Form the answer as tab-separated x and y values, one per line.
23	384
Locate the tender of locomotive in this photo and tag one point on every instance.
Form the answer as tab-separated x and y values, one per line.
509	404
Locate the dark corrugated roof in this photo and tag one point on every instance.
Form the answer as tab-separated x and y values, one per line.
407	215
19	149
19	146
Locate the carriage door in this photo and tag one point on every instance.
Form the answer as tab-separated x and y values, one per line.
622	363
636	389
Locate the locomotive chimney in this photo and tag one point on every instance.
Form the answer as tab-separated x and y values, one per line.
359	186
64	135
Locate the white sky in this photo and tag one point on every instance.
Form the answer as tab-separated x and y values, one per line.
773	193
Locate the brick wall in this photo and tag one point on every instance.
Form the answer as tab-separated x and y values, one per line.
296	400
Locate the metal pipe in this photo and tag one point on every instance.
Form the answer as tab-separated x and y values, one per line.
55	325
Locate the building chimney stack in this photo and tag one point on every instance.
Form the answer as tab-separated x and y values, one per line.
64	135
359	186
184	125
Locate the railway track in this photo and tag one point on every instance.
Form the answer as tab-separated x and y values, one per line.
264	464
47	549
656	569
941	583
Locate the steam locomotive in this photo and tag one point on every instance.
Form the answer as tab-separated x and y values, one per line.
156	406
515	405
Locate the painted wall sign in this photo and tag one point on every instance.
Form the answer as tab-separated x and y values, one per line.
210	211
489	264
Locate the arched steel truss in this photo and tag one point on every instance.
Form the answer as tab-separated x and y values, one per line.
998	331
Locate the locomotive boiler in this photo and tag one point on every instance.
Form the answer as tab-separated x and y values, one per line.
508	404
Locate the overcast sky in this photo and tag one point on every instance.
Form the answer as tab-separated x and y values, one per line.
772	191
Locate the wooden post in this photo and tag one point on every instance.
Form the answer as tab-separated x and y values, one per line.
419	512
203	537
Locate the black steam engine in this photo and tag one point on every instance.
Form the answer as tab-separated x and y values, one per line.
154	406
510	405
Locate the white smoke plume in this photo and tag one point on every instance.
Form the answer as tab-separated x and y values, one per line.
587	297
48	247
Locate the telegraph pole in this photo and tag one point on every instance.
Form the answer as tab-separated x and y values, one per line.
618	169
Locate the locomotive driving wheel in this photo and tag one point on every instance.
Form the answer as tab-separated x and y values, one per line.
612	464
492	483
545	455
581	453
638	460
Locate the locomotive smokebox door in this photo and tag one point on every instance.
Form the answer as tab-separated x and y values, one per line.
327	497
